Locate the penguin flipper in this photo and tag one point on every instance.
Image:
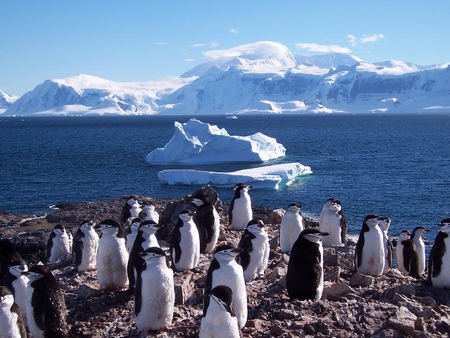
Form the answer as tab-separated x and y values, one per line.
175	245
230	212
358	249
343	225
246	245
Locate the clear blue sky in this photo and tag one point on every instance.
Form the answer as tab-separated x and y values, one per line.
144	40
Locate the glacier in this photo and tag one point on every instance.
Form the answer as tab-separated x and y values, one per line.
195	142
259	78
266	177
6	101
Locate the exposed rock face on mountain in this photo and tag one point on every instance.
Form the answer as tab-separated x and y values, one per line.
353	305
265	78
6	101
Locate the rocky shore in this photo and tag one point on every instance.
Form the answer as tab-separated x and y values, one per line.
353	305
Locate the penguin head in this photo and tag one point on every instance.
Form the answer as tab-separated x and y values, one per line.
186	215
108	226
223	296
153	255
135	223
87	225
132	201
226	253
335	205
404	235
59	230
371	221
384	224
197	202
240	189
313	235
255	226
6	297
294	207
148	207
444	226
149	227
37	272
419	232
17	270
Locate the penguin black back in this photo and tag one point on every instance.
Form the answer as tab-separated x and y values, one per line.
9	256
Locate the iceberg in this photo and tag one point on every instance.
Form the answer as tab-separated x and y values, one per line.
196	142
265	177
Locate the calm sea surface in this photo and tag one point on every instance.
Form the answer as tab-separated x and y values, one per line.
391	165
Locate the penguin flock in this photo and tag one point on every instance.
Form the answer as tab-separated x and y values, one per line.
127	255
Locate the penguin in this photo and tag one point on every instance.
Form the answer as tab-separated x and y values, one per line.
384	224
255	250
225	270
112	256
439	258
185	242
155	294
11	322
59	245
240	211
131	232
304	276
410	258
149	213
207	220
17	282
46	307
333	221
218	318
417	237
369	251
292	224
85	247
131	209
404	235
145	239
9	255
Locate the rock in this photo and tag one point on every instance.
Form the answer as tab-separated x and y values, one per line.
184	287
403	321
337	289
276	216
359	279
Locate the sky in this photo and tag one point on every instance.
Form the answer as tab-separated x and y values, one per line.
143	40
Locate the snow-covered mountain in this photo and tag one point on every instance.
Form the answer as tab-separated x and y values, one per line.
6	100
264	77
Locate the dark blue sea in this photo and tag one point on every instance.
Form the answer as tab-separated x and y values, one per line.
391	165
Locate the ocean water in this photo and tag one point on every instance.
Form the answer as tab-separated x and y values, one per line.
390	165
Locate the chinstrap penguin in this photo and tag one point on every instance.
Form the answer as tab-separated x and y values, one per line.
224	270
417	237
154	295
410	258
240	209
292	224
11	321
59	245
304	276
112	256
369	251
255	250
149	212
218	318
439	258
130	210
384	224
85	247
46	307
131	232
185	243
333	221
404	235
17	283
207	220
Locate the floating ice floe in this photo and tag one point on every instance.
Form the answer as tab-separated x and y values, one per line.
196	142
265	177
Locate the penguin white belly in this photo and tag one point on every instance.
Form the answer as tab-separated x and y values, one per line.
149	242
259	258
399	253
386	254
331	223
89	254
130	238
35	331
232	276
242	213
60	248
8	324
158	299
443	279
218	324
290	228
319	289
420	247
20	291
215	233
373	256
190	248
112	260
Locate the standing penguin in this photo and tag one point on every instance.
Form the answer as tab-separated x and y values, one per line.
292	224
59	245
46	307
85	247
185	242
218	318
333	221
149	213
384	224
439	259
9	256
145	239
131	209
155	296
240	211
369	251
112	256
417	237
255	250
304	276
207	220
224	270
17	283
410	258
131	232
11	322
404	235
